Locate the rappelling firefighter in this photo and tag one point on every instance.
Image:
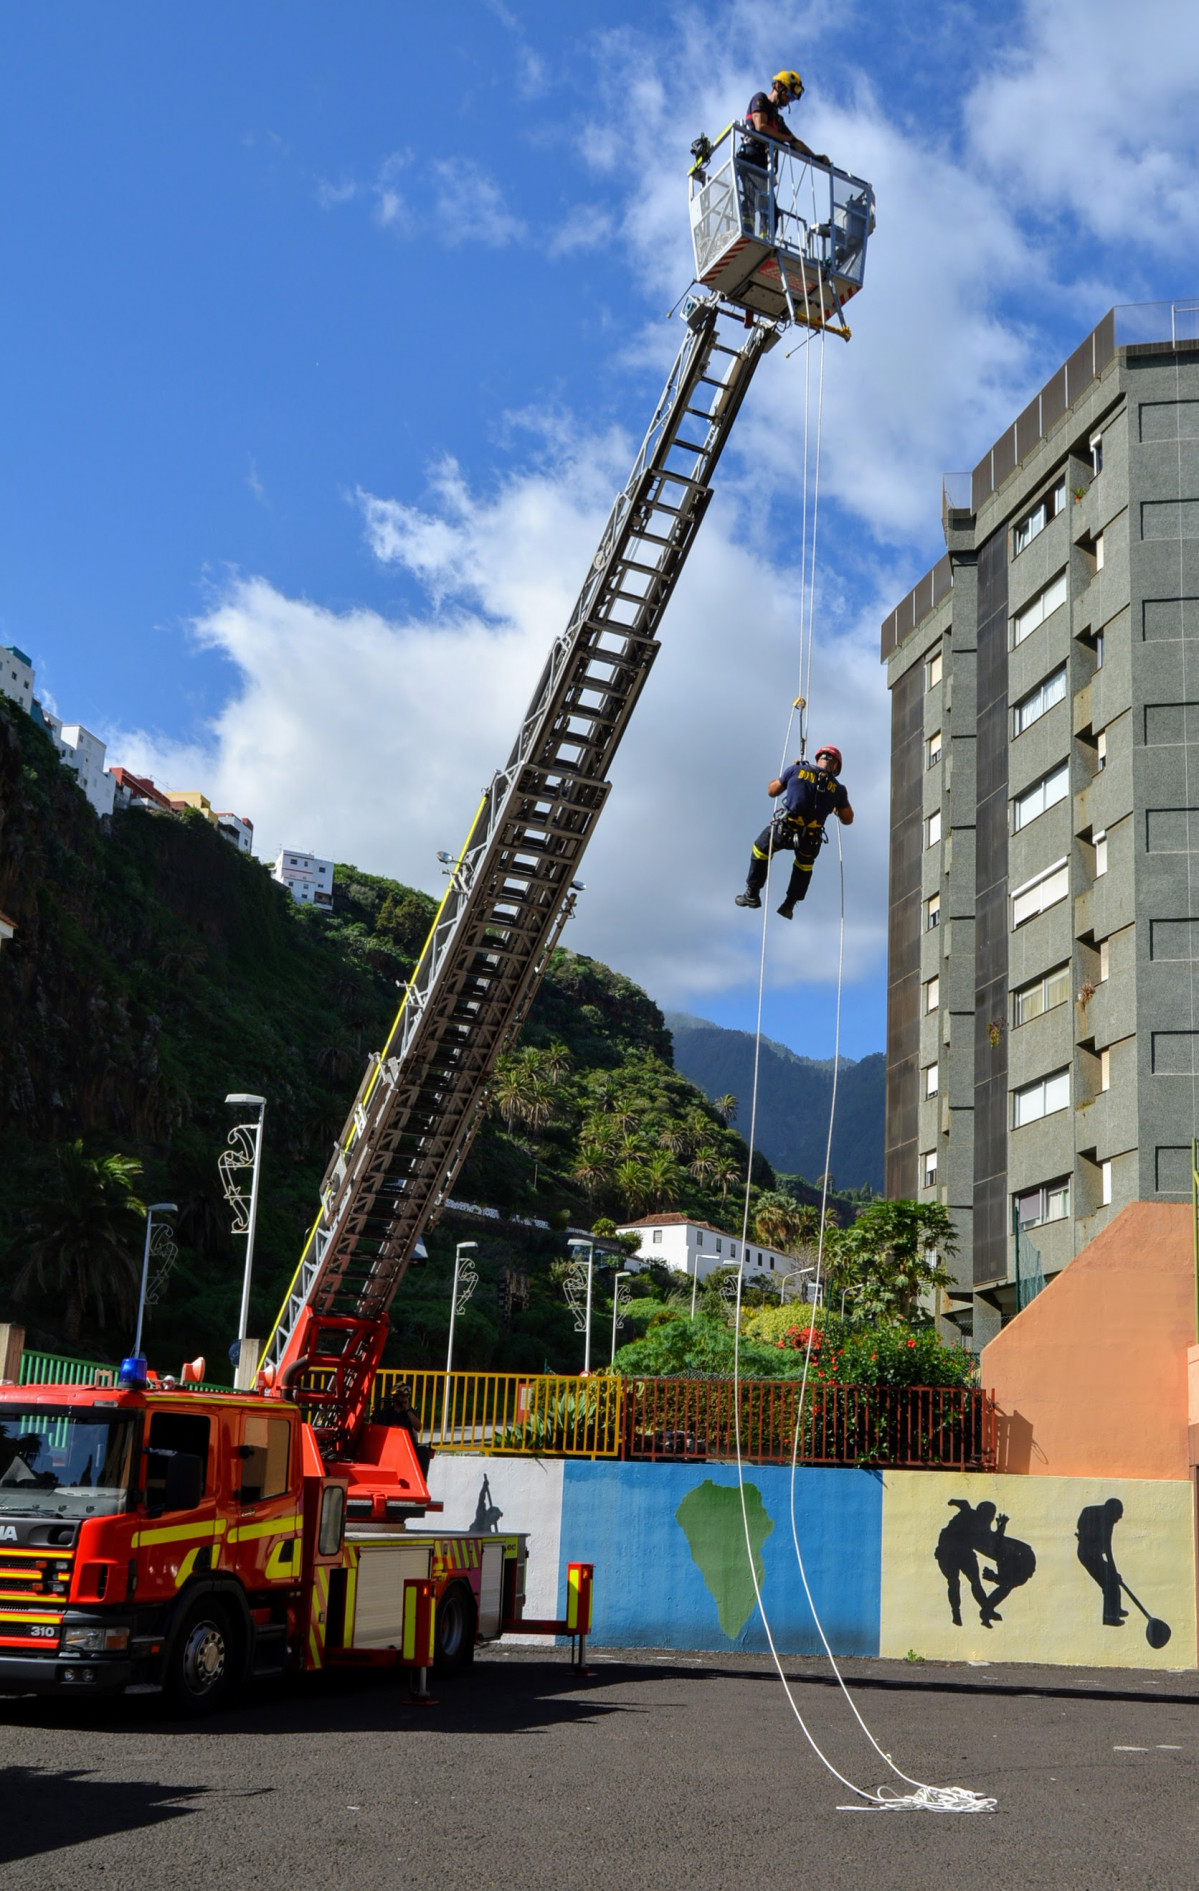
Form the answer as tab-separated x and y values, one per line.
811	793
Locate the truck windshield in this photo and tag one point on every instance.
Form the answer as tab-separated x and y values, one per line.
73	1462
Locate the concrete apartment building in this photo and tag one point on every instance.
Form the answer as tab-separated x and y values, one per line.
1043	1011
83	753
16	676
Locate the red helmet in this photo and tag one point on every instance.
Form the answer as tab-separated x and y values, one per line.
834	755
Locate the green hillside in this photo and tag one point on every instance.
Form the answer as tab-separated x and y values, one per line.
154	969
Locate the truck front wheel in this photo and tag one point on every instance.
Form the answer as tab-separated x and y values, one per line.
454	1631
200	1668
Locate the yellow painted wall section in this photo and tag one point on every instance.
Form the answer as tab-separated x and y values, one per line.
941	1531
1091	1378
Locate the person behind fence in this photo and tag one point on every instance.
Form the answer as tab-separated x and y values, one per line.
811	792
398	1411
765	114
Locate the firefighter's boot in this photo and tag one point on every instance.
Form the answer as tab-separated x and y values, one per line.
747	899
787	909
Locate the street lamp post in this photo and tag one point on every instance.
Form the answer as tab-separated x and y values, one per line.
155	1208
245	1152
576	1248
460	1293
624	1274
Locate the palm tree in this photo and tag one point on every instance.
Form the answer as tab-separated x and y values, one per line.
705	1163
592	1170
633	1182
662	1180
724	1176
726	1108
781	1223
82	1238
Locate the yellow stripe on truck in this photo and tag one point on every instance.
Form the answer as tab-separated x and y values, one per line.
274	1526
180	1533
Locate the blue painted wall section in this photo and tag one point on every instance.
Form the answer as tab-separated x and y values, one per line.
671	1566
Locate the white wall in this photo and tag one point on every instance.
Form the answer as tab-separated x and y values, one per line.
527	1492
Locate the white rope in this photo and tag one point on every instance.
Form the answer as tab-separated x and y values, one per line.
923	1797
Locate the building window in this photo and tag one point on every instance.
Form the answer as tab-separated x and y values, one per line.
1034	522
1043	605
1104	960
1041	995
932	911
1101	852
1101	750
1096	446
931	1079
934	748
934	828
718	1244
1037	895
1098	649
1043	794
932	993
699	1237
1049	1202
1105	1070
1045	1097
1099	552
932	671
1032	707
1105	1183
928	1168
657	1237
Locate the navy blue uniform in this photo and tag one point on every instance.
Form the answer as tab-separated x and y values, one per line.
809	796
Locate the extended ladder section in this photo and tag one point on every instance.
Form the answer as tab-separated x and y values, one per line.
510	893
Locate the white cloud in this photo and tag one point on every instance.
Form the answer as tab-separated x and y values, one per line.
328	194
1093	118
370	738
391	208
470	206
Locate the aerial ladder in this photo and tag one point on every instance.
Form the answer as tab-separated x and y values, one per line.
767	257
212	1536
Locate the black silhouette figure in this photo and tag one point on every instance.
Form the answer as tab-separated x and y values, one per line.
976	1531
956	1557
1094	1533
1014	1561
487	1514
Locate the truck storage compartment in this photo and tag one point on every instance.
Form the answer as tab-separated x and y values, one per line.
383	1567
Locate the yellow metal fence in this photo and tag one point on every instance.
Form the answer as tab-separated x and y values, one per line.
530	1414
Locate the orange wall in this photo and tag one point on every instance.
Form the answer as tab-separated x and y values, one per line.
1091	1378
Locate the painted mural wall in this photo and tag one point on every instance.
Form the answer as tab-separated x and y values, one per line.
1084	1571
674	1532
1095	1572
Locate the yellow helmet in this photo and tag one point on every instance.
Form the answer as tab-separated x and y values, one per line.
791	82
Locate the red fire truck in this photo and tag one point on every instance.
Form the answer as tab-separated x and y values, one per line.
171	1538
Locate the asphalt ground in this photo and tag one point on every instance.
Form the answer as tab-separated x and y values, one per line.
659	1770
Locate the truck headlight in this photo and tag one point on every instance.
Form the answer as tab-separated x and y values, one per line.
96	1641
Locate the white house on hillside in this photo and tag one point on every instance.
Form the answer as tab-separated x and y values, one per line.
697	1248
309	880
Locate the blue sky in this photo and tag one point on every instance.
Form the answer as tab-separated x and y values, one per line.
330	332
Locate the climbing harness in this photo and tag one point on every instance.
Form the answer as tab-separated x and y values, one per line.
922	1797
